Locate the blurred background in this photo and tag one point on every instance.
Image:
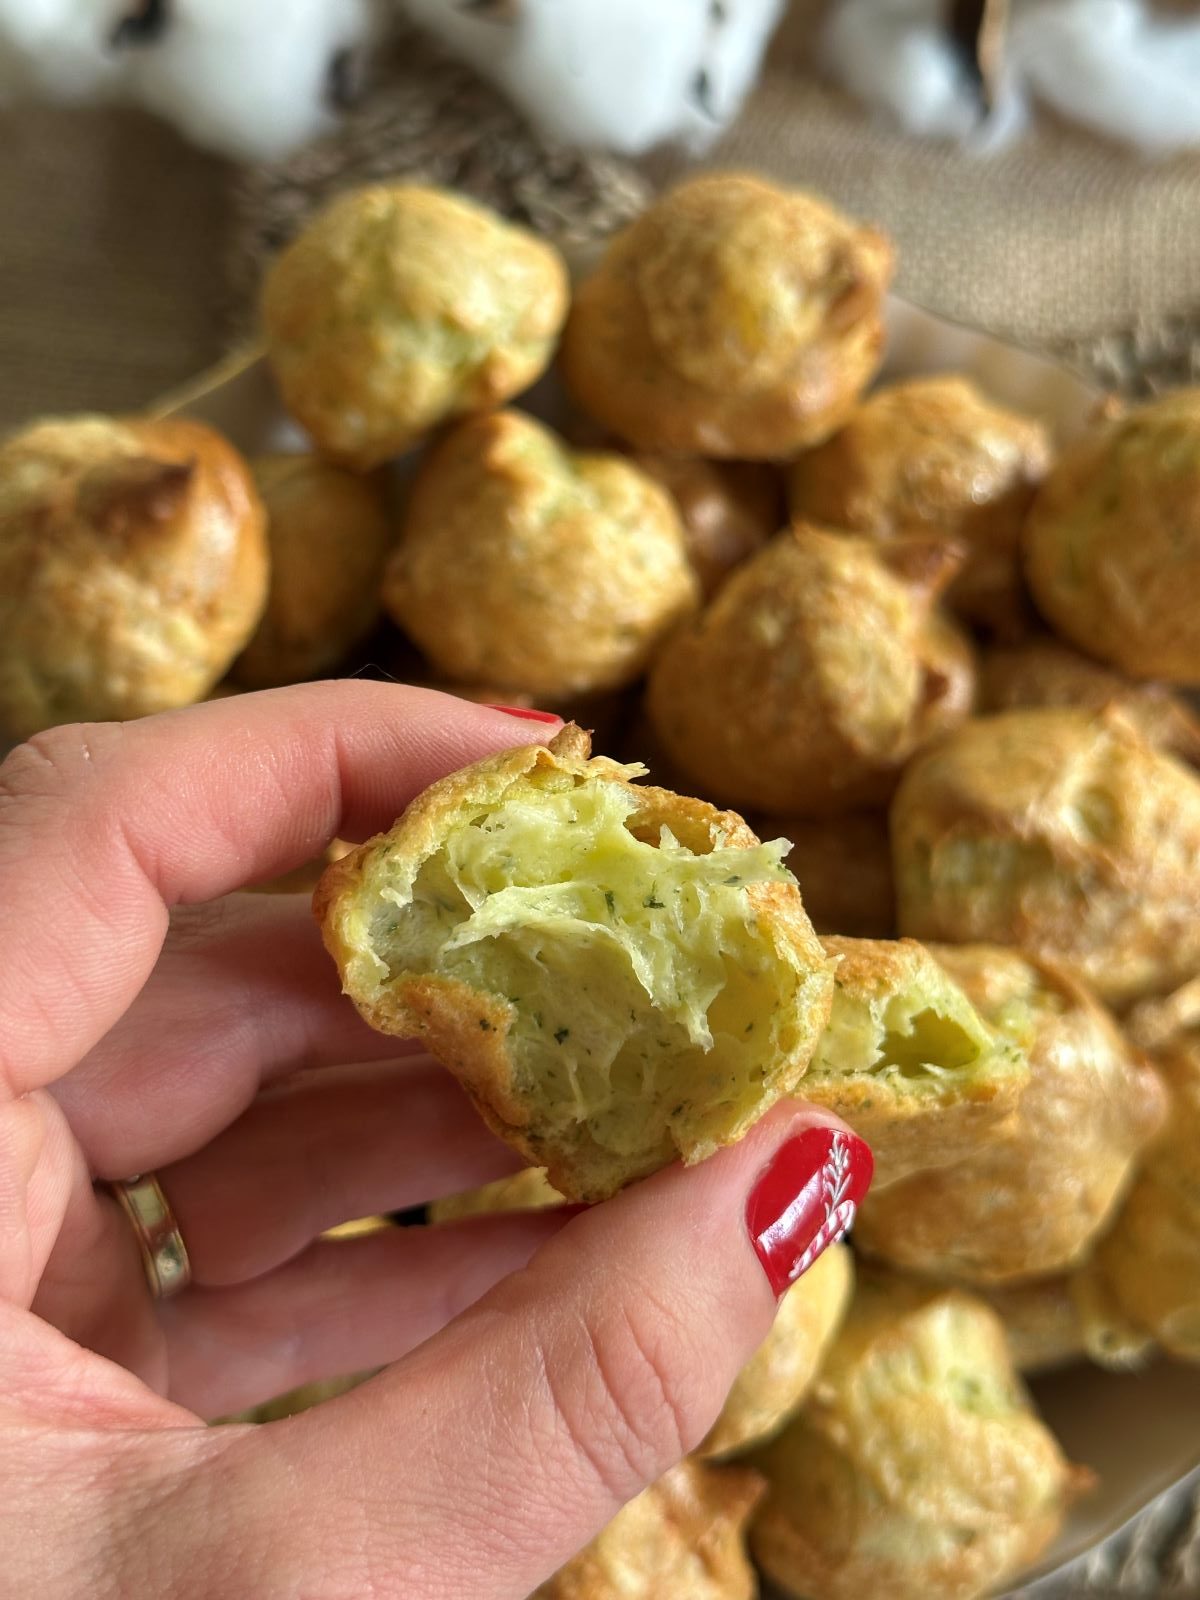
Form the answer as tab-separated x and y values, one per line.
1035	160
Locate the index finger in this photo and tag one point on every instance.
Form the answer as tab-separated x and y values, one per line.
105	826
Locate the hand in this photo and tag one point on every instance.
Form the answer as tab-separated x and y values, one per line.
544	1366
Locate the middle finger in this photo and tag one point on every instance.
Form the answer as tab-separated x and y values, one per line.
242	994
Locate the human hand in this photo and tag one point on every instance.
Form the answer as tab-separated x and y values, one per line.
545	1366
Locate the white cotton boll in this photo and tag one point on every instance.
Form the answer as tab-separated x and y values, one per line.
59	49
1114	67
896	54
731	64
620	74
247	78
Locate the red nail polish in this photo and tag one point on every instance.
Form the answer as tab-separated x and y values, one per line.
529	715
806	1200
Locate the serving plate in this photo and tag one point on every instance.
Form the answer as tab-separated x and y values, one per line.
1139	1433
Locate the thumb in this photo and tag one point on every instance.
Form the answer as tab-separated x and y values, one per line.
481	1462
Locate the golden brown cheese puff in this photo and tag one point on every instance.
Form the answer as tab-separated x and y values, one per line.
843	865
617	975
1113	541
1150	1261
1063	833
523	563
731	319
1041	1322
934	459
729	510
918	1469
682	1537
400	306
133	568
1035	1197
329	533
907	1060
1045	672
812	677
778	1375
1051	1322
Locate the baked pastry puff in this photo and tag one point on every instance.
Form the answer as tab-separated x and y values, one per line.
809	681
133	568
934	458
918	1469
1042	671
1112	545
399	307
1059	831
732	318
1036	1196
684	1536
1149	1262
521	562
618	975
728	510
909	1062
329	532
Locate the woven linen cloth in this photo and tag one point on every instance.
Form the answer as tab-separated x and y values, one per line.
128	261
112	238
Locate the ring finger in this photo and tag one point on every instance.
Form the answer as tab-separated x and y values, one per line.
241	995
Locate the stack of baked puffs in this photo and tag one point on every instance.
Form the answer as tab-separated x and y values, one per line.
938	650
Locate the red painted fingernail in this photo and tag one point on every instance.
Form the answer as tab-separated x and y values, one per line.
529	715
806	1199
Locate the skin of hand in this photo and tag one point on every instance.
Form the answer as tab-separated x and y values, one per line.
539	1368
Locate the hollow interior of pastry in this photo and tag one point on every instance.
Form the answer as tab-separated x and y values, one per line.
921	1030
645	998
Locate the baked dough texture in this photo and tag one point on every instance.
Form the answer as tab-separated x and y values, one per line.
917	1469
618	975
1149	1263
399	307
1045	672
523	563
821	665
329	532
728	509
1051	1322
934	458
1036	1196
908	1061
684	1536
1060	832
733	318
1113	541
133	568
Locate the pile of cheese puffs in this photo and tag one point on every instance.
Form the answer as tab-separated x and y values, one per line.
936	649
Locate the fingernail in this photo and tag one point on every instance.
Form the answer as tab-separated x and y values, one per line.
806	1199
529	715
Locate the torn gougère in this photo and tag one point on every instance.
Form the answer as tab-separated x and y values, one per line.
619	975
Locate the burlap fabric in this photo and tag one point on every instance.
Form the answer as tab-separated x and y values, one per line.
128	260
